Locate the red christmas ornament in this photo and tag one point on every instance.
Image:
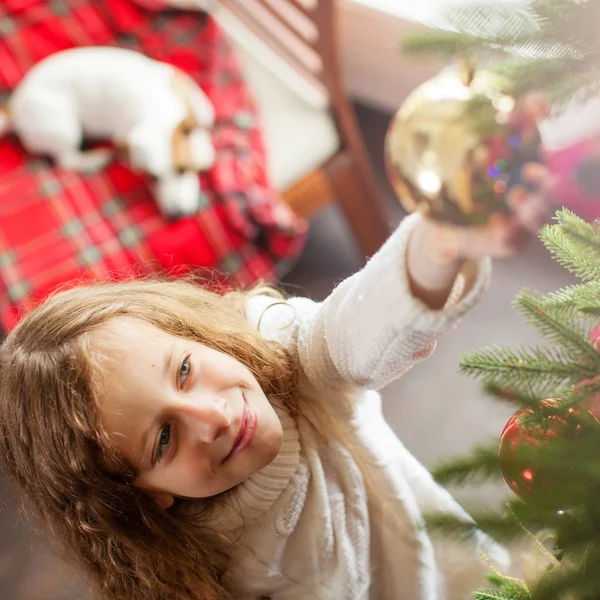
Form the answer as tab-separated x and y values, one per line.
594	337
527	481
531	482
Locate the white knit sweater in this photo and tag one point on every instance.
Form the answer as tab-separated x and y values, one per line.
308	530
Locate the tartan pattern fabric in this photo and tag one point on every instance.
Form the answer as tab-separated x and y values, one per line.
58	226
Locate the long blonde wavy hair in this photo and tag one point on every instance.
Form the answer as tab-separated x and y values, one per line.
67	466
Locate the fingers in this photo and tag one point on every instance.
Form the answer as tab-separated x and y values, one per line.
535	173
529	211
506	235
543	178
532	210
502	237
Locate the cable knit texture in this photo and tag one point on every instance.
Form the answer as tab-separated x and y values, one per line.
306	527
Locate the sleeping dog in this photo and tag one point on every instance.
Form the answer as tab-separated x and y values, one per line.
152	111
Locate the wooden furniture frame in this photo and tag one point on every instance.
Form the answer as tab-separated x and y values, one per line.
305	34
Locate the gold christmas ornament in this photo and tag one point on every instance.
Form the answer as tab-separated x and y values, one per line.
457	146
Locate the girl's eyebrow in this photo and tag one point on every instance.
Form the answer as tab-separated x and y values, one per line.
168	359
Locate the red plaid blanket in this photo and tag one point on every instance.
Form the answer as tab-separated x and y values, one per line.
58	226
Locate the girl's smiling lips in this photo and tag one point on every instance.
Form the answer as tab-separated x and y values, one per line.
247	430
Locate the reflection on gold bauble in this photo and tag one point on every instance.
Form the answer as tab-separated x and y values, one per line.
457	145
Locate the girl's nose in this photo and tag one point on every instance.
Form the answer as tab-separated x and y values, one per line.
208	418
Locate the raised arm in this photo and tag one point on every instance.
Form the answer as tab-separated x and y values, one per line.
376	324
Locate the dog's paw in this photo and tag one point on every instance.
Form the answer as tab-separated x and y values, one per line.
178	196
90	161
203	152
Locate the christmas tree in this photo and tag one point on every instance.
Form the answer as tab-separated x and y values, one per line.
550	452
548	44
559	441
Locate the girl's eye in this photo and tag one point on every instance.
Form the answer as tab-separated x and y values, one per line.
184	371
163	442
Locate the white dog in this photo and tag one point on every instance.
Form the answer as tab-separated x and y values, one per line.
154	112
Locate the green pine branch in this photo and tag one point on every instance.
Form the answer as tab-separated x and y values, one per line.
565	79
510	588
548	44
506	590
564	462
496	595
443	43
574	244
494	22
543	29
553	45
559	325
541	368
579	85
518	522
497	526
523	396
582	298
576	582
470	31
510	594
481	463
575	226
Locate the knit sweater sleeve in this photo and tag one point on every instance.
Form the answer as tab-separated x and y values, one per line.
371	328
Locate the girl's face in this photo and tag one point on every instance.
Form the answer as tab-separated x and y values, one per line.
192	420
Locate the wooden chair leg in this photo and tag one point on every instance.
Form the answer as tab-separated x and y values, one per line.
363	209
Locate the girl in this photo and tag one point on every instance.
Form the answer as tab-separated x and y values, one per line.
184	445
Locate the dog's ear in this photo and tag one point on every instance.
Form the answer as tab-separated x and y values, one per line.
122	151
5	124
199	108
189	124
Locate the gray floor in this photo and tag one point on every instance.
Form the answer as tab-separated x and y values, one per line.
436	412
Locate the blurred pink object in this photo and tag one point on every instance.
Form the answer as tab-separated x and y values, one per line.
577	168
